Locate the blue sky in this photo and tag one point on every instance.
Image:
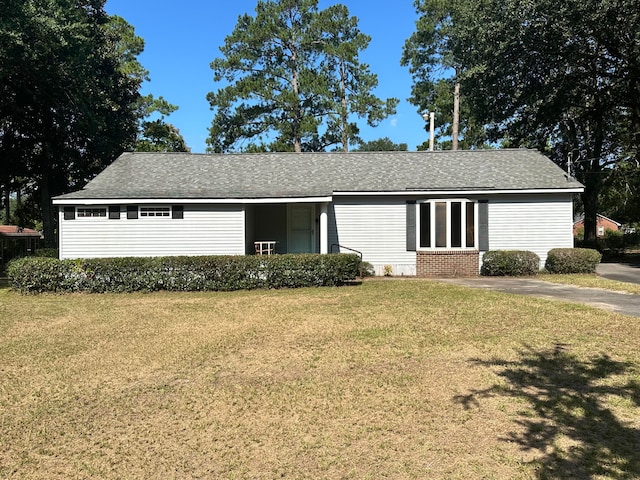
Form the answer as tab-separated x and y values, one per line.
182	38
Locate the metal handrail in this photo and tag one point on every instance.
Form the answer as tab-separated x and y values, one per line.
346	248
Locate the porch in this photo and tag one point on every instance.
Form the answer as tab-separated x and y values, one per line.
286	228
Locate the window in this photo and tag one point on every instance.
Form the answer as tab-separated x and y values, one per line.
132	212
69	213
92	212
177	211
155	211
114	212
447	224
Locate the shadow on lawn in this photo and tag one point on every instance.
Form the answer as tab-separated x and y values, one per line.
569	423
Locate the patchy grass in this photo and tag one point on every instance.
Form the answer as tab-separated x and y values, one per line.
592	281
403	379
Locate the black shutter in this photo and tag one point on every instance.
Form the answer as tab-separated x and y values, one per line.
114	212
411	226
69	213
132	212
177	211
483	225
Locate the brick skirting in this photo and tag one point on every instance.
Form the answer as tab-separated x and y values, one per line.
462	263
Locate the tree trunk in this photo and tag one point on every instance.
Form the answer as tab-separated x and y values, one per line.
590	203
7	205
344	113
456	115
48	220
297	116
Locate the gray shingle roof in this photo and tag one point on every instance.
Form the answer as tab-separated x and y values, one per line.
277	175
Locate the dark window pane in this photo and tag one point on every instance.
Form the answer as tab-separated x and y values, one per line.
456	224
470	225
441	224
425	224
69	213
114	212
177	211
132	212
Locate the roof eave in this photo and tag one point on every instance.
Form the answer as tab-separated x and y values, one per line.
480	191
190	200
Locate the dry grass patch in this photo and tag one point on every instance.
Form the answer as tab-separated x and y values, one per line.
408	379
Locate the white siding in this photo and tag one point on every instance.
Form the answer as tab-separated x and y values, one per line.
375	227
204	230
535	223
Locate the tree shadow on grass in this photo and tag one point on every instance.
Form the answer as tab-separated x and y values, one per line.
569	422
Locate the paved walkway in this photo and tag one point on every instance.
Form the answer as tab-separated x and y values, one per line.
624	303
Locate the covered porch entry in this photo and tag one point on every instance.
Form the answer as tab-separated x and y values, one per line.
299	227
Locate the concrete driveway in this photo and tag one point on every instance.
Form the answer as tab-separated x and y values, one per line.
623	272
624	303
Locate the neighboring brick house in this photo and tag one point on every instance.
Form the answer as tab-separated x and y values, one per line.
17	241
603	224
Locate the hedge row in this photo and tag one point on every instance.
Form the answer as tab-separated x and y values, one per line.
572	260
522	262
130	274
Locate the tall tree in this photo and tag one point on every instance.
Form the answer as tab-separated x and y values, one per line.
352	81
69	98
154	133
428	53
560	76
289	73
65	107
568	83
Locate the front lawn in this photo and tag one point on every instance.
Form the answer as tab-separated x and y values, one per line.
389	379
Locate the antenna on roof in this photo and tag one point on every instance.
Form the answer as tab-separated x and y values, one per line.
430	117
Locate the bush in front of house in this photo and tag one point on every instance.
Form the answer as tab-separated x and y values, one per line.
572	260
131	274
509	263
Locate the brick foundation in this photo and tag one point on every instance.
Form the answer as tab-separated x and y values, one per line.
462	263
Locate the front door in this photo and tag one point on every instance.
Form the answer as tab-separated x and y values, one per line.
301	228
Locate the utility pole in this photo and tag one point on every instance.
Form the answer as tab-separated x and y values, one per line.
431	118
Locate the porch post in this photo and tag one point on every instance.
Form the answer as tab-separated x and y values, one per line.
324	234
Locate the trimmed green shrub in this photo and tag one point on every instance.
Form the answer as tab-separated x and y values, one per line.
130	274
572	260
366	270
509	263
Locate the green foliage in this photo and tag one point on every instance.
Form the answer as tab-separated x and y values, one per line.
69	100
159	136
46	252
509	263
381	145
435	71
293	80
614	240
67	108
154	133
36	275
366	270
563	77
572	260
